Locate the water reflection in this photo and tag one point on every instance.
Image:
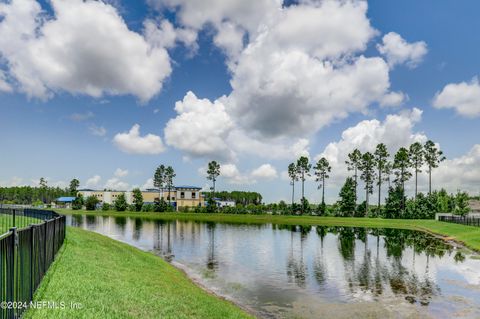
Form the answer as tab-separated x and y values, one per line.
277	269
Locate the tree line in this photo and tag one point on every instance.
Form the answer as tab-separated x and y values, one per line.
375	169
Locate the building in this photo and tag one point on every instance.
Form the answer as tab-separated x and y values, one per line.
179	196
64	202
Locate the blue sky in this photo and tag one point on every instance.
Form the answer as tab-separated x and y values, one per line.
67	96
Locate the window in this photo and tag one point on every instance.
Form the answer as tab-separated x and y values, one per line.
182	195
193	195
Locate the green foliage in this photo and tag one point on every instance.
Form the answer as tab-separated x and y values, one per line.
148	208
120	203
433	156
91	203
74	184
346	204
137	199
25	195
461	204
160	205
401	165
367	167
78	202
159	177
322	209
322	168
239	197
106	206
213	171
394	202
353	164
169	176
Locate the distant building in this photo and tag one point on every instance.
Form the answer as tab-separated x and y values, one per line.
179	196
64	202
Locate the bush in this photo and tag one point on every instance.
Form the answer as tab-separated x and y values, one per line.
106	206
120	203
148	208
91	203
78	202
160	205
461	204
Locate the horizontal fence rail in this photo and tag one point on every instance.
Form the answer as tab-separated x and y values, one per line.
27	249
469	221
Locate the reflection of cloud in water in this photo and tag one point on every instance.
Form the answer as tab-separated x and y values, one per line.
311	270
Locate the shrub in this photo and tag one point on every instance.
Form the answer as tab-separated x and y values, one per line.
106	206
91	203
120	203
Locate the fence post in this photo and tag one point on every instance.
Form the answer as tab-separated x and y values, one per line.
13	275
45	248
32	277
13	217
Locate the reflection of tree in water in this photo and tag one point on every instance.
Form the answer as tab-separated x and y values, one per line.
159	229
137	228
296	268
77	220
91	221
369	275
212	263
319	268
121	221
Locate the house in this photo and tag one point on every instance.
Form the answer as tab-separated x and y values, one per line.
64	202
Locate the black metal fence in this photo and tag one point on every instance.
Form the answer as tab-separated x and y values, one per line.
470	221
25	255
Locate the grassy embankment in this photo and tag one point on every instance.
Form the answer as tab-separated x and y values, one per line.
6	222
114	280
468	235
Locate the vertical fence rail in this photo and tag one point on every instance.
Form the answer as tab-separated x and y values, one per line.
26	251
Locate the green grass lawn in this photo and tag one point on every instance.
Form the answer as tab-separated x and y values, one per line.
468	235
6	222
114	280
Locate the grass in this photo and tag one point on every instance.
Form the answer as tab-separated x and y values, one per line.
6	222
467	235
114	280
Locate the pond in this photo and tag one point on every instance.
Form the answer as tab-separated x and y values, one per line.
280	271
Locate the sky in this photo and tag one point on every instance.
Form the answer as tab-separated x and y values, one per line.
107	91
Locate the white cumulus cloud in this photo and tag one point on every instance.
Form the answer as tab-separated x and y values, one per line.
266	171
93	181
398	51
120	172
133	143
463	97
84	47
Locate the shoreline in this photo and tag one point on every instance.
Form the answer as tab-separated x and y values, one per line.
467	236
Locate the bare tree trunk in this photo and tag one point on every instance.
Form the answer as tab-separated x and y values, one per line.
379	188
323	190
429	180
416	182
293	192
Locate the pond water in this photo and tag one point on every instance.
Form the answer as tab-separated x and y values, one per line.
280	271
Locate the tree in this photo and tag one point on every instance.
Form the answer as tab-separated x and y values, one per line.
395	202
322	168
91	203
416	154
43	189
213	172
137	199
159	180
401	164
353	162
74	184
169	176
433	157
367	167
120	203
78	202
461	204
347	195
293	174
303	168
381	160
